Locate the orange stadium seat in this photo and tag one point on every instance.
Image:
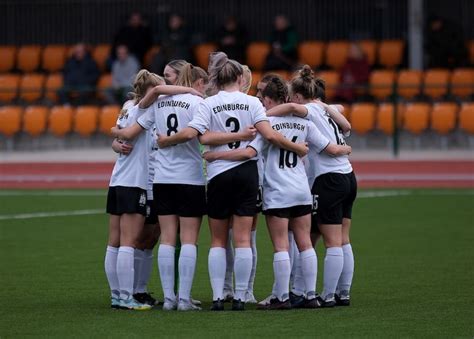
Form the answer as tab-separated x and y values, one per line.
466	117
31	87
381	83
257	54
53	83
409	83
385	117
28	58
108	118
416	117
311	53
390	53
60	120
370	49
100	54
462	82
7	59
10	116
85	120
8	86
332	82
443	117
362	117
54	57
34	120
105	81
150	55
436	83
201	53
336	53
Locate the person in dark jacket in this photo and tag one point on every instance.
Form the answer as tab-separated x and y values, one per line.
175	44
136	35
80	76
284	41
232	39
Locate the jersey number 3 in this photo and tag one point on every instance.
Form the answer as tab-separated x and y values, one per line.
172	124
236	126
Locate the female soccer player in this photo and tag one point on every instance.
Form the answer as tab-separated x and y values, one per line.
287	199
334	186
126	203
179	186
172	71
232	186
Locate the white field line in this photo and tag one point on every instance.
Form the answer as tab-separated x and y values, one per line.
50	214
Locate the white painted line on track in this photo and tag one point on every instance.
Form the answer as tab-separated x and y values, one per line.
51	214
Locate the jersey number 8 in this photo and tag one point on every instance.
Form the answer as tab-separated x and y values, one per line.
172	124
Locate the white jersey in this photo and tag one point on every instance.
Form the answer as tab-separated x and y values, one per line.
180	164
324	163
227	112
132	170
152	163
284	182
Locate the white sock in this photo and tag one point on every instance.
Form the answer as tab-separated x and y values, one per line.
229	272
111	270
216	266
145	271
186	267
253	243
166	266
137	267
332	270
281	271
125	271
345	280
291	253
242	269
309	267
298	286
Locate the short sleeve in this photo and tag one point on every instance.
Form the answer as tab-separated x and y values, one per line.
147	117
258	144
202	120
258	112
316	139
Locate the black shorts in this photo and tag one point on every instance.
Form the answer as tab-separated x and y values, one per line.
151	213
126	200
333	197
289	212
260	199
180	199
234	192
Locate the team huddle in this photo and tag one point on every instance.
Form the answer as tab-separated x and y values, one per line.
281	153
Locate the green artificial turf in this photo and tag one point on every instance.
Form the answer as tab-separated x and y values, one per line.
414	274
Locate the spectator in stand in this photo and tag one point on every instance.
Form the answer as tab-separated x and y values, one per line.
284	41
445	46
355	72
175	44
136	35
80	76
124	70
232	39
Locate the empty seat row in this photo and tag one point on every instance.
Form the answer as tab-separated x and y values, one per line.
415	118
51	58
59	120
31	87
365	117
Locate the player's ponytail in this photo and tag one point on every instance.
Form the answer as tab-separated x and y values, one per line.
144	80
276	89
222	71
320	89
245	88
304	83
190	74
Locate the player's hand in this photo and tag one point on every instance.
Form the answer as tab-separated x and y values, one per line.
348	149
162	141
125	148
303	149
114	131
249	133
209	156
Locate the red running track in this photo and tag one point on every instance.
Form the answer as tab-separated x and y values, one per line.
370	174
